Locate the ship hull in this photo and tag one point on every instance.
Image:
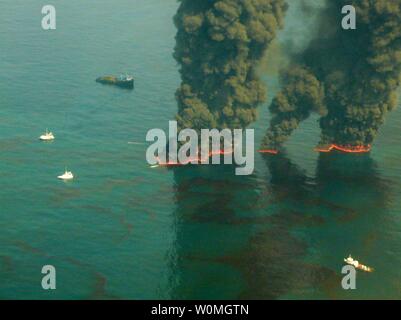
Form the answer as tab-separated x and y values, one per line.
111	80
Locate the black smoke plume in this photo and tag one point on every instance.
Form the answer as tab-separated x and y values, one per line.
349	77
219	44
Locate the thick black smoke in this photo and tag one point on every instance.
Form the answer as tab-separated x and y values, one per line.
219	45
349	77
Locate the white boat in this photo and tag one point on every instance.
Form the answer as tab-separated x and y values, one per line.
126	77
351	261
48	136
66	176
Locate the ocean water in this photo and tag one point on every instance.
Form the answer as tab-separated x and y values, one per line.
121	230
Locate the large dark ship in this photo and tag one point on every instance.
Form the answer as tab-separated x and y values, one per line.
124	81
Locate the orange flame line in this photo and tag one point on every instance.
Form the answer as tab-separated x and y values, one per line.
269	151
197	159
346	149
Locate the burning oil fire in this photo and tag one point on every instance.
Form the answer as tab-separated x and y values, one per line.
197	159
269	151
346	149
327	149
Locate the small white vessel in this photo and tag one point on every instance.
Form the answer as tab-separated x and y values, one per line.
351	261
48	136
357	265
66	176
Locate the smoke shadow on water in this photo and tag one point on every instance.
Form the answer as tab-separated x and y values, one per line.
209	200
275	237
321	220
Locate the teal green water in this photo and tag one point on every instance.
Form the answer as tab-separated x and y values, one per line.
121	230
